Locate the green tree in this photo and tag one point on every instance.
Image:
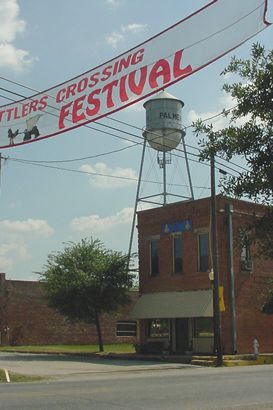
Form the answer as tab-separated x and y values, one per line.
85	280
253	140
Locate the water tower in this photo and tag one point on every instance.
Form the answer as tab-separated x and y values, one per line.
163	132
163	122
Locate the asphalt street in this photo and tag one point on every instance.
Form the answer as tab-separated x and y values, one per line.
102	384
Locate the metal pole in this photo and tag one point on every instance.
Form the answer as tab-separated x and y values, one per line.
136	201
187	166
229	208
216	307
164	180
0	168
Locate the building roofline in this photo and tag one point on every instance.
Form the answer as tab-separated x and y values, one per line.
206	199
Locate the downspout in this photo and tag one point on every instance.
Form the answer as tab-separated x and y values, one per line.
229	209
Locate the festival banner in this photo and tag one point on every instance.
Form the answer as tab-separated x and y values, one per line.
172	55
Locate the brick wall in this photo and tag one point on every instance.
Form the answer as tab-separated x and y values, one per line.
25	312
150	223
250	287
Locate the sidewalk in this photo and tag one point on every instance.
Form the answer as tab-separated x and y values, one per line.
63	364
49	364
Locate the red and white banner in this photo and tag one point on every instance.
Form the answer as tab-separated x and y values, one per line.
164	59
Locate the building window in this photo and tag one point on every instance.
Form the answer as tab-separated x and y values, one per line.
203	249
154	257
126	328
245	255
159	328
203	327
177	254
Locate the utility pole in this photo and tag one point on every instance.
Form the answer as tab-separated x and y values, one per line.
0	171
216	306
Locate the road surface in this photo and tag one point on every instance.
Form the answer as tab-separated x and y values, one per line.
133	386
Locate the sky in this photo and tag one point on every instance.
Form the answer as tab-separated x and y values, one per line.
53	201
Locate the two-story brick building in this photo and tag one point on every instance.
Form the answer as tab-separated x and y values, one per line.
176	297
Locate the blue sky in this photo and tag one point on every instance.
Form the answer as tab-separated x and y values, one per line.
48	42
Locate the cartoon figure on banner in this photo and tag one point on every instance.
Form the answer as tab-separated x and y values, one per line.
31	129
12	135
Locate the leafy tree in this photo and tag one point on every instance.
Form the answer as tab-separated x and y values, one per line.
85	280
253	140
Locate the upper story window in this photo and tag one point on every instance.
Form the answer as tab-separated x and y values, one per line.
245	254
154	257
203	252
177	254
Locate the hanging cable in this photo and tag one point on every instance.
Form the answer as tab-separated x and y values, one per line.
27	162
137	136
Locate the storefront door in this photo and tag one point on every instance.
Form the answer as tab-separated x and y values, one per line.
182	335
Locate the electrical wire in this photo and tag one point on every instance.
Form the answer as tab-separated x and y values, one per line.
140	143
27	162
76	159
125	132
122	122
105	175
187	47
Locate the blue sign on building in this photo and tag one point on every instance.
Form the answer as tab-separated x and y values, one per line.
180	226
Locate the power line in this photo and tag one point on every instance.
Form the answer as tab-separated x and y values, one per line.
89	157
128	133
88	126
28	162
7	98
76	159
187	47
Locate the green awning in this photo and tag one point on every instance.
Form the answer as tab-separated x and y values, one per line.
167	305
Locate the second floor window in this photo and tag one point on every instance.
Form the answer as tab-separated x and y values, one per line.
203	249
245	255
154	257
177	254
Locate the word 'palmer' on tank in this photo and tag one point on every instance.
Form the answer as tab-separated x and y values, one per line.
163	122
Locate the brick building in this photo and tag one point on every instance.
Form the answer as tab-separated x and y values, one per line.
26	319
175	309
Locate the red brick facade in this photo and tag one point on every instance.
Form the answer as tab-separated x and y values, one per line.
29	320
250	285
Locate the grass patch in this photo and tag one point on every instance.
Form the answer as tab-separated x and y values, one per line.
113	348
17	378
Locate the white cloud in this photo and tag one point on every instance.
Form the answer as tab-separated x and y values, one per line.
114	3
96	224
101	181
29	226
14	58
12	252
220	121
133	28
116	37
16	237
11	25
217	122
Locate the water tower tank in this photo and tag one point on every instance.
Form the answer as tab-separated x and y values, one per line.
163	122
